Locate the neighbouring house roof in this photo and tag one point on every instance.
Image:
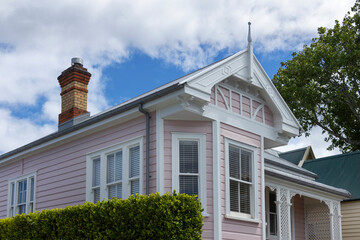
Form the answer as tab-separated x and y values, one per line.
280	168
298	156
341	171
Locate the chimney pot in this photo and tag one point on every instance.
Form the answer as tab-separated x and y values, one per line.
76	60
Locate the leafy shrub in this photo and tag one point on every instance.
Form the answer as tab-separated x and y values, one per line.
169	216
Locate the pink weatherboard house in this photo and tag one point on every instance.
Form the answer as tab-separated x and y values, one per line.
209	133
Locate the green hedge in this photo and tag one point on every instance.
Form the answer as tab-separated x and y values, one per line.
176	216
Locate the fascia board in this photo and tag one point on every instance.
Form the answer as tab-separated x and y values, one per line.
302	184
270	88
211	67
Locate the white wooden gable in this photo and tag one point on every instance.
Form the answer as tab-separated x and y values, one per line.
243	71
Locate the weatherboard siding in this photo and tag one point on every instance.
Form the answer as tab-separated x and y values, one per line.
241	104
350	212
192	127
7	172
237	229
299	217
61	171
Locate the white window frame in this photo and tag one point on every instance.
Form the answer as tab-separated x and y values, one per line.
126	180
201	139
254	208
267	204
15	181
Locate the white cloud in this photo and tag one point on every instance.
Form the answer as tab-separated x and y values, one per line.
16	132
38	38
315	140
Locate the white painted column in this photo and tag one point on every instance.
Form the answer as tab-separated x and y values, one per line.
159	153
331	215
216	180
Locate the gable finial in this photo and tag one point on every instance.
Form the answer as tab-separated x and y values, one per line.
250	54
249	33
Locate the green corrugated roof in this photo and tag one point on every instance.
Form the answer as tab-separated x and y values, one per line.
294	156
342	171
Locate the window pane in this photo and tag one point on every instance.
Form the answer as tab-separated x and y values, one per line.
189	155
244	198
118	166
22	191
32	180
134	161
115	191
96	195
189	185
234	162
273	224
22	209
31	207
96	172
110	168
234	196
246	165
272	204
135	187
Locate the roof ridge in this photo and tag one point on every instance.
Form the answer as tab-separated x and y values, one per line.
331	157
294	150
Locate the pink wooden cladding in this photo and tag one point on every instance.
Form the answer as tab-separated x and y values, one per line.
299	218
192	127
269	118
242	105
61	172
236	229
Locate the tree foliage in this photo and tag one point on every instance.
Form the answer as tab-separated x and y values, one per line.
321	83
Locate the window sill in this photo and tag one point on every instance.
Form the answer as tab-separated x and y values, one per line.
230	216
205	214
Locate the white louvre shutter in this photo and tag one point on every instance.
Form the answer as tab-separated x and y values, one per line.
110	168
118	166
134	161
240	179
189	167
114	174
96	179
96	172
135	169
246	166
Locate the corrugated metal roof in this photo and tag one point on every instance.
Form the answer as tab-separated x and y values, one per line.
294	156
341	171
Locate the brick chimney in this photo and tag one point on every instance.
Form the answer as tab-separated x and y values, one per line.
73	82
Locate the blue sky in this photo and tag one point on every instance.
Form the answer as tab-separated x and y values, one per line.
131	47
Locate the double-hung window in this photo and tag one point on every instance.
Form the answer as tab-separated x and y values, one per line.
271	215
21	197
189	164
240	180
115	171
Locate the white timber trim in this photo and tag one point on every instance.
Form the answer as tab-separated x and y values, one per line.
125	148
159	153
254	216
263	199
217	180
176	137
14	192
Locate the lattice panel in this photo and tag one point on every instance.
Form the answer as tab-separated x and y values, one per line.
284	213
337	223
317	222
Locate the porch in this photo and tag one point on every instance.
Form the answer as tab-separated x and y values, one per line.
292	213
